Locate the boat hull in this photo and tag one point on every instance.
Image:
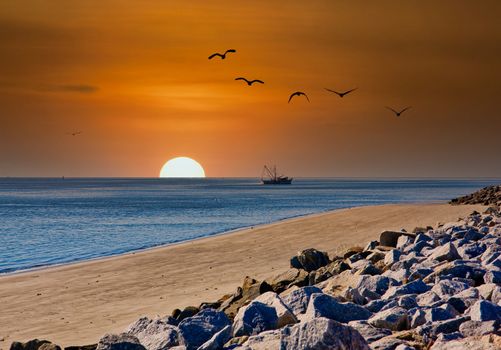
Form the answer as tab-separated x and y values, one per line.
277	182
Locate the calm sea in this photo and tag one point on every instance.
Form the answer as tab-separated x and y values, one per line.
53	221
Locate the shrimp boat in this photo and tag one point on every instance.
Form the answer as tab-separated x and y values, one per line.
269	177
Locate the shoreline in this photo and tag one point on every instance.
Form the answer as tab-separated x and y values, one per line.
217	234
75	304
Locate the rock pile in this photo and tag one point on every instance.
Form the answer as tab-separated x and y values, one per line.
490	195
433	289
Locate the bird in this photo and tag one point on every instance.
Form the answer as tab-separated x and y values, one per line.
341	94
75	133
397	113
250	82
223	56
298	93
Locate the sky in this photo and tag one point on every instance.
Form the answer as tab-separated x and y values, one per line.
135	79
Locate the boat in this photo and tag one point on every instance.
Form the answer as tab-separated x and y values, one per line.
269	177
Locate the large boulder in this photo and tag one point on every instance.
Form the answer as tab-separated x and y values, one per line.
414	287
298	299
395	319
448	288
475	328
486	342
287	279
310	259
445	252
154	334
266	340
34	344
218	340
484	310
390	238
369	332
122	341
198	329
254	318
284	314
322	334
323	305
250	289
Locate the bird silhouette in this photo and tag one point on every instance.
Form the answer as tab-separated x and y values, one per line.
341	94
223	56
75	133
298	93
397	113
250	82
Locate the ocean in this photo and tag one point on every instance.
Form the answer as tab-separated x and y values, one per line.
55	221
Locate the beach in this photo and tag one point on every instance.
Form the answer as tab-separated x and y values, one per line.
76	304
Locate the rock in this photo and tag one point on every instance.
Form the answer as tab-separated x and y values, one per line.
392	257
154	334
310	259
187	312
371	245
287	279
486	290
352	251
492	277
447	288
298	300
414	287
377	284
395	319
369	332
390	238
472	328
254	318
332	269
218	340
263	341
82	347
484	310
486	342
122	341
404	241
284	314
198	329
445	252
322	334
427	298
448	326
323	305
354	296
250	289
34	344
434	314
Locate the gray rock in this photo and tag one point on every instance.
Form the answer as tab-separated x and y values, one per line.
448	326
387	343
218	340
445	252
484	310
414	287
486	290
322	334
476	328
298	299
369	332
254	318
404	241
323	305
395	319
122	341
154	334
284	314
34	344
287	279
392	257
447	288
439	314
427	298
263	341
486	342
198	329
492	277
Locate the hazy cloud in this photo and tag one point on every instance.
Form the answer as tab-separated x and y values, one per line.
77	88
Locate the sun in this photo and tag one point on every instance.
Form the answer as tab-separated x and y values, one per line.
182	167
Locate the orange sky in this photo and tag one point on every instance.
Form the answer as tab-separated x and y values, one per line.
134	77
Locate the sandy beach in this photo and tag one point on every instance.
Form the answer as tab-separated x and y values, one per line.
76	304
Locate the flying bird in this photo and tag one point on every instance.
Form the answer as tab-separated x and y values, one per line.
397	113
250	82
298	93
223	56
341	94
75	133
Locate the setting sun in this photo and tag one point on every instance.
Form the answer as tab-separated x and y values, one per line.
182	167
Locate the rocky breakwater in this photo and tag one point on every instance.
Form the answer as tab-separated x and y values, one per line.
433	288
490	195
